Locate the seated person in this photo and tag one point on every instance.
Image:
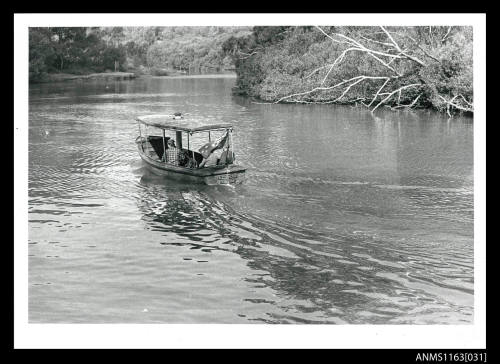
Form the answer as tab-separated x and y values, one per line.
170	143
186	159
212	151
213	159
171	154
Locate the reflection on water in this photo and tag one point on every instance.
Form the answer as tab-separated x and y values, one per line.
344	218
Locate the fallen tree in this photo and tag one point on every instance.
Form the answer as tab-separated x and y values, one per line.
395	67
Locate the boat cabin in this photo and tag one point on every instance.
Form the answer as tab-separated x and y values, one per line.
183	143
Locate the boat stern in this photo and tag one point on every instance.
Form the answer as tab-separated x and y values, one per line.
232	175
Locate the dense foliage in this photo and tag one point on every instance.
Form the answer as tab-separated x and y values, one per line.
156	50
193	49
73	50
427	66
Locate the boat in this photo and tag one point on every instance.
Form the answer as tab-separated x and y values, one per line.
213	163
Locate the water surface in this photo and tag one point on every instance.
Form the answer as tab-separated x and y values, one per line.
345	218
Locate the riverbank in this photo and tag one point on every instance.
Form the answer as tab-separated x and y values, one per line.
59	77
118	76
340	65
202	75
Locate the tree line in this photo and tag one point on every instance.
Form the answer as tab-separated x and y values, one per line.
156	50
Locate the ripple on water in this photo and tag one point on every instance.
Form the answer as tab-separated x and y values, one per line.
342	219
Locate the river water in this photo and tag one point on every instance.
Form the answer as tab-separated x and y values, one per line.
344	218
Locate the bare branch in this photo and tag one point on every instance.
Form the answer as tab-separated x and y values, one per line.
328	73
415	59
446	35
386	64
392	93
428	54
392	60
332	39
357	46
419	47
375	41
337	60
348	88
409	106
362	47
247	55
450	103
316	70
321	88
398	48
467	102
391	39
340	58
378	92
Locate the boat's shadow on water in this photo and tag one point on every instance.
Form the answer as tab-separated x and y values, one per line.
316	276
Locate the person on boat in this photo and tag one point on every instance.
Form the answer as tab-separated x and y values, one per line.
171	154
213	151
186	160
170	143
213	159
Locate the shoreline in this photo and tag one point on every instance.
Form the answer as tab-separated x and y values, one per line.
236	91
206	75
59	77
119	76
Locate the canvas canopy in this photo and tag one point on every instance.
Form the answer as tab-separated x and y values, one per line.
189	125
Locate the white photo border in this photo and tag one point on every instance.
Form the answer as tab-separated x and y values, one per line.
243	336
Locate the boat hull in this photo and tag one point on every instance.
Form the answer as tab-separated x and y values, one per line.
218	175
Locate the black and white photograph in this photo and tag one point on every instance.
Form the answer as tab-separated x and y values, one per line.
221	175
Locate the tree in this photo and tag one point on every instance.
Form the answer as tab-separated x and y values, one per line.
41	52
399	67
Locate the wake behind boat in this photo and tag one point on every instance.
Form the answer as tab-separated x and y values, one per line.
213	163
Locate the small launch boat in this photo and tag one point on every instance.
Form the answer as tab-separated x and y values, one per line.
212	164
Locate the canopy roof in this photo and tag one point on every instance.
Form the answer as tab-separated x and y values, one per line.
168	122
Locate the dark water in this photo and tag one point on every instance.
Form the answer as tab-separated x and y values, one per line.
344	218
